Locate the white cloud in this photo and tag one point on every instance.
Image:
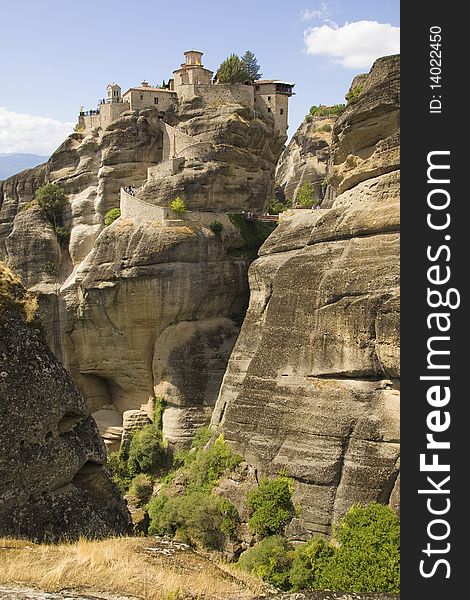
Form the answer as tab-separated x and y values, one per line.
31	134
320	13
354	45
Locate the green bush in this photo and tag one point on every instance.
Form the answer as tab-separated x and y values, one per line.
146	452
141	489
271	559
63	236
325	128
196	517
353	95
50	268
306	195
117	464
364	556
276	207
367	556
309	562
204	468
326	111
111	216
178	206
270	505
216	227
201	437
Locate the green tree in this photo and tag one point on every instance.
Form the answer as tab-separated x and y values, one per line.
270	505
252	66
178	206
51	198
232	70
306	195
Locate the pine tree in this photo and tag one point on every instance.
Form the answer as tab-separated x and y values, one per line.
232	70
252	66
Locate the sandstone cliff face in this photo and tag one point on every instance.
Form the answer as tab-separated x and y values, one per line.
305	159
53	482
312	384
144	308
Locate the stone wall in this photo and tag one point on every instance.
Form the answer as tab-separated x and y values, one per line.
142	212
221	93
140	98
108	113
174	141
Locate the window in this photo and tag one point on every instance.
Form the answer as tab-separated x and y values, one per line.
155	100
282	111
257	88
141	96
269	98
269	110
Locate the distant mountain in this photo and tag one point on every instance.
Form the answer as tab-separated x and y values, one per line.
14	163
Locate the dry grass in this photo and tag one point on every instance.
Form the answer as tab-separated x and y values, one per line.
122	566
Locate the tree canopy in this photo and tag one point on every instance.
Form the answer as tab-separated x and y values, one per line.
232	70
252	66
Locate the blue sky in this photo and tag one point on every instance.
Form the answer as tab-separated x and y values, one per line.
58	55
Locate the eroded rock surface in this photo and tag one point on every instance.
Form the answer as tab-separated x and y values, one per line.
53	482
312	384
305	159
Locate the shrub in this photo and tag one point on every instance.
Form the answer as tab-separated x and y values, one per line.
353	95
146	451
204	468
117	464
309	561
270	559
197	518
367	558
270	506
141	489
111	216
216	227
326	111
325	128
63	236
306	195
178	206
50	268
201	438
276	207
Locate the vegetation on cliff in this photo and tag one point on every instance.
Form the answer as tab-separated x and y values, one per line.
13	296
192	513
363	555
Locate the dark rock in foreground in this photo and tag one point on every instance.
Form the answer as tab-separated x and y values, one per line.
53	482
